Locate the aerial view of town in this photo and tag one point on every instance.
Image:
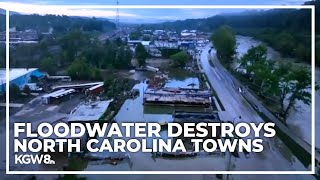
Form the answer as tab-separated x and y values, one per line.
251	66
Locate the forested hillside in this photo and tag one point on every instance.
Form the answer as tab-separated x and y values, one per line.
286	30
58	23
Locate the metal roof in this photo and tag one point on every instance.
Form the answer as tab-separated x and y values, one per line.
89	111
14	73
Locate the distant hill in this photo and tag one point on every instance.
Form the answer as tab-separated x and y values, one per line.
3	11
289	19
277	19
58	23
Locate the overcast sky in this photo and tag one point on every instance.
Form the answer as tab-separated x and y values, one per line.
59	7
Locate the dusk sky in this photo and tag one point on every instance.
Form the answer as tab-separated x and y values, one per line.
59	7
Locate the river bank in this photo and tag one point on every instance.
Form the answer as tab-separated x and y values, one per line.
300	119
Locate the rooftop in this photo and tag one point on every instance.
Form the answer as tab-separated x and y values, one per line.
14	73
145	43
89	111
75	86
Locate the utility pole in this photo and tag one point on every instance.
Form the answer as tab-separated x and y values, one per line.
117	15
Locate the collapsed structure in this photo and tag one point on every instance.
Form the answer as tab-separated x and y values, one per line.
177	96
57	96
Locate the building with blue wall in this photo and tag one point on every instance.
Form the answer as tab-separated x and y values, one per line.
18	76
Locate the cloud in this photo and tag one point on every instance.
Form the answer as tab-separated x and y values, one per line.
147	15
44	9
201	13
286	2
150	15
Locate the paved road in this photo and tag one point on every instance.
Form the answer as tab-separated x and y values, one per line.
276	156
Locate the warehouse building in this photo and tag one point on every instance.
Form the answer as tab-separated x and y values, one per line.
18	76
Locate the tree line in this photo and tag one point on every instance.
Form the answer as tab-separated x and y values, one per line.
74	51
224	41
278	82
58	23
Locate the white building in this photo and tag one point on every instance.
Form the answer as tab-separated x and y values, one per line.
185	33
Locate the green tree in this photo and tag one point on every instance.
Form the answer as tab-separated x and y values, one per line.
262	71
180	59
27	90
95	54
253	55
281	69
72	43
110	51
108	82
302	53
285	43
293	87
136	35
93	24
49	65
141	54
80	69
14	91
224	41
118	42
123	57
286	83
256	66
96	74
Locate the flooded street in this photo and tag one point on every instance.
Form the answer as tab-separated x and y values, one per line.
133	110
299	120
185	84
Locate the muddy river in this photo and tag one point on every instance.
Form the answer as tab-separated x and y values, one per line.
299	120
